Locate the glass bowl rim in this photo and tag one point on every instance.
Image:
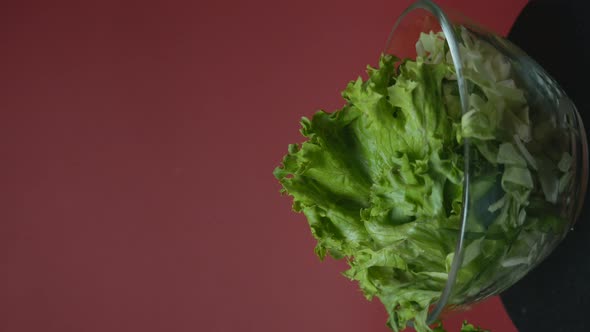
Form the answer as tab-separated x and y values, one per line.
452	41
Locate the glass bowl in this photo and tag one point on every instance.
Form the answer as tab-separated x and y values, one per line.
518	211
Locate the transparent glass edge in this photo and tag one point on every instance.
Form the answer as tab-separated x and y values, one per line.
451	39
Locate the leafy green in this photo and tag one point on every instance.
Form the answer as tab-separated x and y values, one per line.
470	328
466	327
381	180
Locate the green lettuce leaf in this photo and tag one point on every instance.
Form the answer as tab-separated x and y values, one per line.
380	181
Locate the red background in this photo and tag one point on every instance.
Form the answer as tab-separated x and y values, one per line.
138	140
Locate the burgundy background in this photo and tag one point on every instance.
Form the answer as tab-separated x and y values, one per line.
137	141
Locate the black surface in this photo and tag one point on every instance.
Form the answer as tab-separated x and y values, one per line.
556	295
